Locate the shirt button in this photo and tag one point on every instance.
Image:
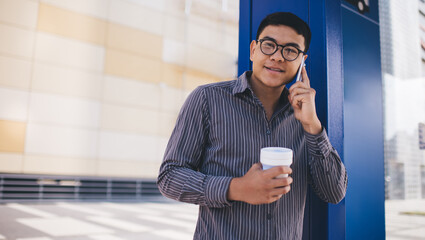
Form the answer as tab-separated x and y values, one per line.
268	132
269	216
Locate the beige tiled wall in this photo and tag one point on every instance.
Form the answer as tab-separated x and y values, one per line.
12	136
94	87
71	24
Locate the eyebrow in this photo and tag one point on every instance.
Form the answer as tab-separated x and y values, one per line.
288	44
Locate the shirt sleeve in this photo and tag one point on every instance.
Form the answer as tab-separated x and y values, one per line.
179	178
327	172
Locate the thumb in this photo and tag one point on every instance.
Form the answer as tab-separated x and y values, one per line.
257	166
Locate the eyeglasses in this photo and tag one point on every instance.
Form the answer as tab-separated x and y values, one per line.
269	47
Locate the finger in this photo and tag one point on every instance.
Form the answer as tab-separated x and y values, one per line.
300	99
257	166
304	76
281	182
296	92
298	84
280	191
276	171
274	198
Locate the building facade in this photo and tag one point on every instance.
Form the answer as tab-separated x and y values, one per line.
403	64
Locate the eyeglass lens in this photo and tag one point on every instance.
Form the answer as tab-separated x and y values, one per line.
269	47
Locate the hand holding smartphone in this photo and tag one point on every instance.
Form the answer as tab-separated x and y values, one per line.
299	78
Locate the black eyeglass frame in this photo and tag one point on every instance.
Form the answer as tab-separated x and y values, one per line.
278	45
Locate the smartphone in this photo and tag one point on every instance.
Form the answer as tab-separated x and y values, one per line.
299	78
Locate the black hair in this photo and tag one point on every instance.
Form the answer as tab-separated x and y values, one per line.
290	20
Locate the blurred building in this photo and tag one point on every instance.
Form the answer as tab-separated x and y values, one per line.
422	32
403	64
93	87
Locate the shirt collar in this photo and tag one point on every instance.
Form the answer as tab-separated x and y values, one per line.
242	85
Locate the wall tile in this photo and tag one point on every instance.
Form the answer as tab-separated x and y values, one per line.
23	13
231	46
162	145
134	41
171	99
12	136
204	35
206	20
70	24
94	8
13	104
174	28
130	119
157	4
128	169
174	52
67	81
172	75
68	52
11	162
131	92
167	121
56	109
36	164
126	146
136	16
15	72
60	141
208	61
16	41
132	66
175	8
195	78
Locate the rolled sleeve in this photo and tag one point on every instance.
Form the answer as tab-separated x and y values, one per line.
179	176
318	145
216	191
328	173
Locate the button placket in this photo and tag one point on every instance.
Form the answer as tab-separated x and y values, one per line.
269	216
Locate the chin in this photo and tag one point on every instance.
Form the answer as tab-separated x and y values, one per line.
274	84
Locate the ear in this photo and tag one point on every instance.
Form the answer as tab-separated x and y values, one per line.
305	57
252	49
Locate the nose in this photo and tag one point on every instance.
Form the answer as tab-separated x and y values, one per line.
277	56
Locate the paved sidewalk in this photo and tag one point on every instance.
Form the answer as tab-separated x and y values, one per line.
399	225
157	219
163	220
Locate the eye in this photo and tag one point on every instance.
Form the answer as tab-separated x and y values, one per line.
269	44
290	51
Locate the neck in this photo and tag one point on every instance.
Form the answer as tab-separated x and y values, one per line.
268	96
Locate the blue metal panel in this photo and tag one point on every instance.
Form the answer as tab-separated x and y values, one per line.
245	27
261	8
335	106
363	127
326	78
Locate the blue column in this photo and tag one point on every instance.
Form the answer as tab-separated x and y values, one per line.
363	123
344	68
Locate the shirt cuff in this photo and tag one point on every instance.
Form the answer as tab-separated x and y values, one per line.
216	191
318	145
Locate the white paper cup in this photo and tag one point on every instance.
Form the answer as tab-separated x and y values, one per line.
276	156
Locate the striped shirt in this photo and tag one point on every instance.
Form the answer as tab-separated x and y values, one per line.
218	136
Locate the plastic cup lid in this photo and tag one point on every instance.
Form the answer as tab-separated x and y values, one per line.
277	153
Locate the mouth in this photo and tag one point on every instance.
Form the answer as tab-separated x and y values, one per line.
274	69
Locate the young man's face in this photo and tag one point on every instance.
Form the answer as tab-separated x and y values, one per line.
273	71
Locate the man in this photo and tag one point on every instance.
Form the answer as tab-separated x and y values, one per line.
212	158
